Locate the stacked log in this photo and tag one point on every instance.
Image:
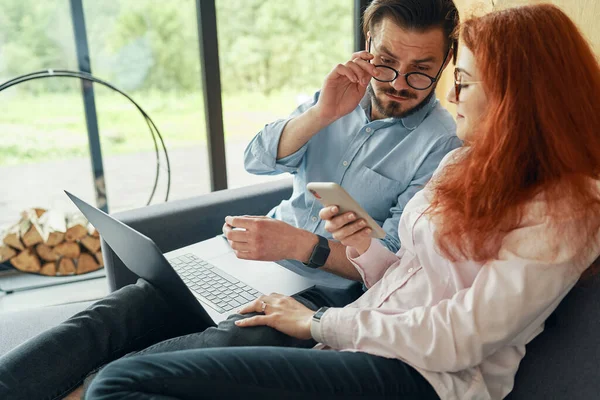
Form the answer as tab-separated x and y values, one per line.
52	243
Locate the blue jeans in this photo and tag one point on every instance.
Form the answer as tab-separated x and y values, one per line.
136	318
259	373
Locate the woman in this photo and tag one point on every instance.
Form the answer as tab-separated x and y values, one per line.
490	247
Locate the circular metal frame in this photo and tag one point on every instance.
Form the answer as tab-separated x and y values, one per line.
50	73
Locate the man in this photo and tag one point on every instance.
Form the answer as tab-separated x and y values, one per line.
380	138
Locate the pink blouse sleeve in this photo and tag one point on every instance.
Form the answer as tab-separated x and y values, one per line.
372	264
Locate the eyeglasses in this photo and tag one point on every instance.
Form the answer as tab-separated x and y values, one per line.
459	83
416	80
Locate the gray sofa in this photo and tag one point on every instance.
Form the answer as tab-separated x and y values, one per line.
171	225
562	363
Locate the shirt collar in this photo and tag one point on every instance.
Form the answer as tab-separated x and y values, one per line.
365	104
414	120
411	122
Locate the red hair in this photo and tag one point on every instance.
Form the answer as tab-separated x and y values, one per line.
541	135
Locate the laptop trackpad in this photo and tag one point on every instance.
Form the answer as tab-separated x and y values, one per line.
265	276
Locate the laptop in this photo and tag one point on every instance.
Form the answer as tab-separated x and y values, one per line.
207	278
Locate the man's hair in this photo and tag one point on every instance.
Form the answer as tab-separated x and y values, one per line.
419	15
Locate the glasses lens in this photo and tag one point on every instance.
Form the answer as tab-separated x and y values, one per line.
419	81
386	74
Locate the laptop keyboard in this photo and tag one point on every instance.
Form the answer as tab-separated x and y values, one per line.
212	285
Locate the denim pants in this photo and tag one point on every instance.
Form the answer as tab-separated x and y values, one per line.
136	318
259	373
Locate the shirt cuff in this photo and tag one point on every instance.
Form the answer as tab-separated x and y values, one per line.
336	328
261	155
372	263
264	149
290	163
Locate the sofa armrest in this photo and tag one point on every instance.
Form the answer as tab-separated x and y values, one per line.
180	223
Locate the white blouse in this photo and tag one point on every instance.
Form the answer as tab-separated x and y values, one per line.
462	325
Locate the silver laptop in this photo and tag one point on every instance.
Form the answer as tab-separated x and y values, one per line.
207	277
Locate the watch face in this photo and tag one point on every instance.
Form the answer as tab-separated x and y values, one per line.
320	253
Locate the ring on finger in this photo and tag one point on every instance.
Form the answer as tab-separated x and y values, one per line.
263	306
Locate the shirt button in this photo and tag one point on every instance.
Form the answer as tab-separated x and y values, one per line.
314	219
345	163
368	130
410	270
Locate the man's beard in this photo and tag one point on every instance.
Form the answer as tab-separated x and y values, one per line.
394	109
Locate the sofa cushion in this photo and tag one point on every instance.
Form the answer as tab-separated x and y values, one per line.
564	361
18	326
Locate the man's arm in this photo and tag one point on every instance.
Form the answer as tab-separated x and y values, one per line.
342	91
337	262
277	148
299	130
268	239
261	154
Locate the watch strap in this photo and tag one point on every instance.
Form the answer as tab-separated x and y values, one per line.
317	315
320	253
315	324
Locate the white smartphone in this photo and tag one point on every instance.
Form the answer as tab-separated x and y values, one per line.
332	194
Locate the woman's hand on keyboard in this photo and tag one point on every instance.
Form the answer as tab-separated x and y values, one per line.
280	312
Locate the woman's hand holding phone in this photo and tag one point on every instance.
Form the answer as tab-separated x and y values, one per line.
347	228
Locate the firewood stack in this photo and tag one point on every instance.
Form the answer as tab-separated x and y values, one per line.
52	243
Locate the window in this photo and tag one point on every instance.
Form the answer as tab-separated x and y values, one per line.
149	49
43	139
273	56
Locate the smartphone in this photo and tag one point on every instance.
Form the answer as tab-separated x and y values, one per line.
332	194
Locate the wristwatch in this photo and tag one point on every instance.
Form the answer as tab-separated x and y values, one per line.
315	324
319	254
317	316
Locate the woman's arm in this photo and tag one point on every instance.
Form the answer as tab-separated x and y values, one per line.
369	256
511	295
372	264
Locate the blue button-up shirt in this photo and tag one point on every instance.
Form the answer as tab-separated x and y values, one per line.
381	163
